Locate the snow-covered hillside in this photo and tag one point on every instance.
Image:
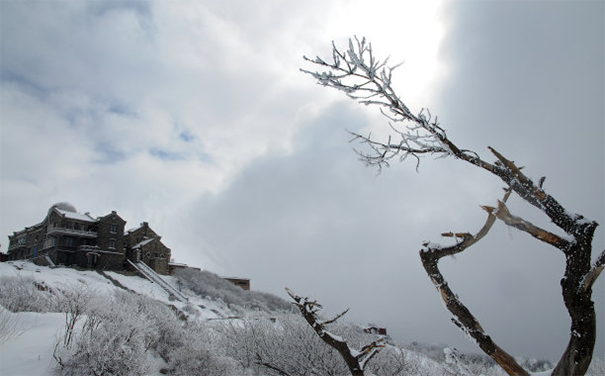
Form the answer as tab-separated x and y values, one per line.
127	325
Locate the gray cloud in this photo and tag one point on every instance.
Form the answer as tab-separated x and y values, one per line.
194	117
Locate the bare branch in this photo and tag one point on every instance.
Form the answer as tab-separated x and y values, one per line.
327	322
367	80
462	317
355	360
594	273
503	214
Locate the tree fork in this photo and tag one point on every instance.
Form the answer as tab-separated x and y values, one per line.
367	80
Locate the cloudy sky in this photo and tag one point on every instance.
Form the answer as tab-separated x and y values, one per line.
194	116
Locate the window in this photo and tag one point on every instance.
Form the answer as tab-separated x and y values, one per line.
112	243
113	229
162	255
76	226
69	225
69	241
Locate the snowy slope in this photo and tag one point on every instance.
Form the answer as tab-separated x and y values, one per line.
27	339
28	351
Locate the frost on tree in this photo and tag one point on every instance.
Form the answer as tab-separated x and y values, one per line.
362	77
356	360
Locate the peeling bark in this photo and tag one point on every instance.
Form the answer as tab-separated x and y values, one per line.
462	316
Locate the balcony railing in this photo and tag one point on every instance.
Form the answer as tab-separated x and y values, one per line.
89	248
12	247
76	233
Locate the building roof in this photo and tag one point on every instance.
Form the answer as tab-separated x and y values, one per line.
144	242
77	216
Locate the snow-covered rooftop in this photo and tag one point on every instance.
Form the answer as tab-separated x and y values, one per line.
144	242
77	216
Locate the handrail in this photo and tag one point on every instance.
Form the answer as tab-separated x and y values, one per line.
70	231
151	275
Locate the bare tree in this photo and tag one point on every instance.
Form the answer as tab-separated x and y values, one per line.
355	360
366	79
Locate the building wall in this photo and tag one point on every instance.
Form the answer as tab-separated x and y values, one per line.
145	245
69	238
156	255
26	243
110	233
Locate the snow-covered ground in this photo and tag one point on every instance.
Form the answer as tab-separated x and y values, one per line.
28	350
27	339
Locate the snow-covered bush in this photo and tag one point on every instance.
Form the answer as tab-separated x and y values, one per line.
201	354
162	328
117	334
10	324
389	361
283	344
73	302
207	284
23	294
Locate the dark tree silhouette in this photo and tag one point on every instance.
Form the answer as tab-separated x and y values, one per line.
366	79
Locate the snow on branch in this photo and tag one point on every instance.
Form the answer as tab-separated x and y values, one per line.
355	360
368	80
462	317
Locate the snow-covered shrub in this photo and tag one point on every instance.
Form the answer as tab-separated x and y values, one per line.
163	329
116	335
18	294
194	358
10	324
201	354
73	302
111	342
389	361
283	344
207	284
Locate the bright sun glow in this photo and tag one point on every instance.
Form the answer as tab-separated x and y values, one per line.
405	31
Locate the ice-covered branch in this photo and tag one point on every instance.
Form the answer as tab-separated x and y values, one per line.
362	77
355	360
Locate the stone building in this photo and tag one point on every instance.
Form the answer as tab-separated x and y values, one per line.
145	245
66	237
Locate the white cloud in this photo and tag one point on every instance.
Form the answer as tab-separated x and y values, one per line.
193	116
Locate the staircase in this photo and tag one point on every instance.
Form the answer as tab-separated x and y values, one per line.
49	261
148	273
